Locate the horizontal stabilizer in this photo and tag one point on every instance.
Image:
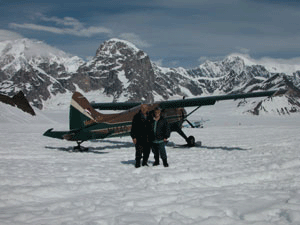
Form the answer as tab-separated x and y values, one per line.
76	135
56	134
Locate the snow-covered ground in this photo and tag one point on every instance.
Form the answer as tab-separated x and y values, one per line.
246	172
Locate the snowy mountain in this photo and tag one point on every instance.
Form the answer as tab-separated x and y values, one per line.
122	72
119	70
35	68
21	54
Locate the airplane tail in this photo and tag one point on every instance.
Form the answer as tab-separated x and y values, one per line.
82	114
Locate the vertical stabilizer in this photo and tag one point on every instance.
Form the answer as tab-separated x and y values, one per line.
82	114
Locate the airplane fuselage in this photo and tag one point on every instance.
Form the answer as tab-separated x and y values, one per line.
87	124
119	127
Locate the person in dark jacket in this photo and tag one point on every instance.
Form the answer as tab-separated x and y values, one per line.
140	134
161	133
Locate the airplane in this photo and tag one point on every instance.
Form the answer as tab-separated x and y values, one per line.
86	123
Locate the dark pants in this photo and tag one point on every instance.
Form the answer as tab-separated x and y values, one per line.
142	150
159	149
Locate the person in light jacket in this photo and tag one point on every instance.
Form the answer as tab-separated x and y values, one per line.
160	134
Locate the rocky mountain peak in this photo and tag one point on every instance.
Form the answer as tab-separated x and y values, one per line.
233	63
117	47
19	100
119	69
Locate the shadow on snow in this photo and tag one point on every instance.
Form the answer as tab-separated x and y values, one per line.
199	145
225	148
96	150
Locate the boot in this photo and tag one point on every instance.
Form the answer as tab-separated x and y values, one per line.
165	163
156	162
145	162
137	163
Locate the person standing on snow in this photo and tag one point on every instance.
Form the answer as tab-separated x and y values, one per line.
140	134
161	132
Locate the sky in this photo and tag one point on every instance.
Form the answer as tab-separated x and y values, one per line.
172	32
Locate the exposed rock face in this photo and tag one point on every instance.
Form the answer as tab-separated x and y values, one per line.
118	68
19	101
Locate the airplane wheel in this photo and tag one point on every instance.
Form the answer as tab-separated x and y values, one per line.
191	141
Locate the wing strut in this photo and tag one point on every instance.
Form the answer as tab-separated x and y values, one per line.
193	111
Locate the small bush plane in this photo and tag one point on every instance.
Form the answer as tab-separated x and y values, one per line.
88	124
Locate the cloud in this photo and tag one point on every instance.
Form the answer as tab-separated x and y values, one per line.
268	60
66	21
135	39
203	59
172	30
31	26
243	50
275	65
193	3
158	62
67	25
9	35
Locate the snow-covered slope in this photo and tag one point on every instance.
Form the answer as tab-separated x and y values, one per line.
246	172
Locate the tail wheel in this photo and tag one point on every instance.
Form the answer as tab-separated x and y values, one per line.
191	141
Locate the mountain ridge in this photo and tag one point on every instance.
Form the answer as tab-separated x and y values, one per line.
123	72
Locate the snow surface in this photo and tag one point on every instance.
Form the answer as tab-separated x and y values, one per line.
246	172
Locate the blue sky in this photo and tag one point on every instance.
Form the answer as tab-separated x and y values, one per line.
172	32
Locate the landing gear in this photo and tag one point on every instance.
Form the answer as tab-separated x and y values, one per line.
190	140
80	148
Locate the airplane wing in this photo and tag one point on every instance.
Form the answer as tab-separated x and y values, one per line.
200	101
115	105
211	100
